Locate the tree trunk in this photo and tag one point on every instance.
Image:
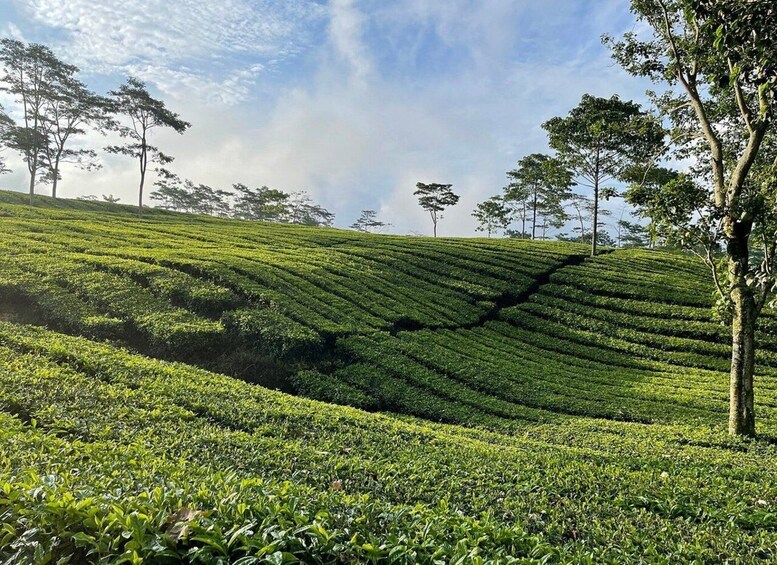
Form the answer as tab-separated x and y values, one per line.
54	181
534	215
595	226
32	186
140	193
741	418
523	221
143	163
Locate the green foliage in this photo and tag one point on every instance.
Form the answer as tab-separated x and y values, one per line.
600	139
435	198
542	184
368	221
591	390
145	114
273	333
492	214
110	457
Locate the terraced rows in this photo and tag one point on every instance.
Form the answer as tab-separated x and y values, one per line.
593	394
111	457
586	343
461	331
194	271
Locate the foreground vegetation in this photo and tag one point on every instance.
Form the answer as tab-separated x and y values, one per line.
107	455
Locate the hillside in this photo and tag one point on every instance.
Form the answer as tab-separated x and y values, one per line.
589	398
454	330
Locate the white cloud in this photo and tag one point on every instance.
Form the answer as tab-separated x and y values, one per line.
210	47
353	133
345	30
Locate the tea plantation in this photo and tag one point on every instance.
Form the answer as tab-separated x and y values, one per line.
510	401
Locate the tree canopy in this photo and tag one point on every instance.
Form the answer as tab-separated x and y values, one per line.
368	221
541	184
599	139
435	198
145	113
491	215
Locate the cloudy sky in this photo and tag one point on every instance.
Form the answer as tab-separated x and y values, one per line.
352	100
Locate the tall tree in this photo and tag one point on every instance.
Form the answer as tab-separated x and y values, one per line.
6	123
543	183
718	62
70	109
145	114
599	139
435	198
368	221
492	214
31	73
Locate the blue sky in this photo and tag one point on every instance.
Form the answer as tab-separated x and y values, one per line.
352	100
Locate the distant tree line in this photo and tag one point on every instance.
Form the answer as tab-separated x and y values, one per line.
54	108
260	204
601	141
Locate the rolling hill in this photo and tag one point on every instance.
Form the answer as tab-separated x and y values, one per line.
510	401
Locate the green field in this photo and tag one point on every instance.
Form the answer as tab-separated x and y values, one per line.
514	401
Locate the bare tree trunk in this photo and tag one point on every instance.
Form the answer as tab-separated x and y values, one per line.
741	419
595	227
54	181
523	221
32	184
143	162
534	215
140	193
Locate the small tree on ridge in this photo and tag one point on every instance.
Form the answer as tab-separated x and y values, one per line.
434	198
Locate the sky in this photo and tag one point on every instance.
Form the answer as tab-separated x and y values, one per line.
353	101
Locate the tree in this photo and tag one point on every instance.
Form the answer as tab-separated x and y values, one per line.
631	234
145	113
718	62
599	139
262	204
434	198
170	192
367	221
31	72
644	193
541	183
6	123
302	210
111	199
69	110
492	214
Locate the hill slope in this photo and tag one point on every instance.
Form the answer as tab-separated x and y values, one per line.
463	331
593	392
107	455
